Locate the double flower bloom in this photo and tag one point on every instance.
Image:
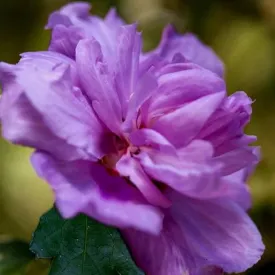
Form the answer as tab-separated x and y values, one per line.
146	142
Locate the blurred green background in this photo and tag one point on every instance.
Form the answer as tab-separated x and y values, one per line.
242	32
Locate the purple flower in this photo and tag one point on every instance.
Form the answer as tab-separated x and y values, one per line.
149	143
73	23
188	48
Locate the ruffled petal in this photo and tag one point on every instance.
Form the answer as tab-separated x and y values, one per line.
190	175
46	60
65	39
96	80
70	14
236	160
225	128
129	167
189	46
193	172
63	107
197	236
237	190
22	124
145	87
183	124
76	16
151	139
85	187
183	83
72	11
127	65
113	20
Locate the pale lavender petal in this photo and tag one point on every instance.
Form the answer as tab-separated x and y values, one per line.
191	48
230	143
113	20
198	235
216	225
76	15
153	63
152	139
22	124
183	83
47	60
69	14
226	126
78	9
65	39
57	103
250	168
240	102
168	68
86	187
129	167
200	179
145	87
237	190
236	160
195	173
197	150
56	18
96	79
183	124
161	254
127	65
164	254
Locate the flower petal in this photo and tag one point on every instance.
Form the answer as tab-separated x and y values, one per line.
22	124
225	128
65	39
152	139
129	167
236	160
144	89
85	187
198	235
237	190
69	14
193	177
63	108
190	48
113	20
76	16
46	60
127	64
96	80
183	124
183	83
195	174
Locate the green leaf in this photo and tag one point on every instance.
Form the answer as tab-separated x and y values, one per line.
14	257
81	246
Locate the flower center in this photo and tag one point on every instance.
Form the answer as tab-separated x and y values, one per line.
110	160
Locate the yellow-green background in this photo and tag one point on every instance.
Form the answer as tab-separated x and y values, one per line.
242	32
